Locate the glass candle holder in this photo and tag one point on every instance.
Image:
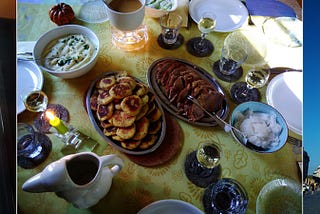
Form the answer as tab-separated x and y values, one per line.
74	140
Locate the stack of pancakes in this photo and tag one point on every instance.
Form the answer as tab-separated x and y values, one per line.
127	111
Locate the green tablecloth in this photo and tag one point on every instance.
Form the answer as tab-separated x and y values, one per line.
137	186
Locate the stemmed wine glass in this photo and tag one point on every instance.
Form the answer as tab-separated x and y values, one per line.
37	101
248	91
200	46
202	166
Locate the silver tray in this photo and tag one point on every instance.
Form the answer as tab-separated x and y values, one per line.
95	122
205	121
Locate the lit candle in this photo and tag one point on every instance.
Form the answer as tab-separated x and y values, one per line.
56	123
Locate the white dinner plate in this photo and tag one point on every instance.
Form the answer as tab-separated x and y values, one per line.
231	14
170	206
284	93
29	76
280	196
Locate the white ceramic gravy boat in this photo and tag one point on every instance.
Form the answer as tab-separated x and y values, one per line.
81	179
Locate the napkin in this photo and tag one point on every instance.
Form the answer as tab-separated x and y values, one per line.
183	11
272	8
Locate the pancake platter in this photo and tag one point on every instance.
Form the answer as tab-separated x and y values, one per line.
126	113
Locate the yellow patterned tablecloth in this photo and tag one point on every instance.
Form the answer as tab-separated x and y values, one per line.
136	186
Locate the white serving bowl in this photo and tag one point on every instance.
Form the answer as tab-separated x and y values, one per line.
262	108
59	32
157	13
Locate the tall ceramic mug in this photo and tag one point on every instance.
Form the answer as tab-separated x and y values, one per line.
125	15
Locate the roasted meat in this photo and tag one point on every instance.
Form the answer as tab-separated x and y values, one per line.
177	80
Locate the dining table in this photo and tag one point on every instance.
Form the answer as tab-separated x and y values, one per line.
138	185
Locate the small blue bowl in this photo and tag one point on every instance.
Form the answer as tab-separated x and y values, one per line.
262	108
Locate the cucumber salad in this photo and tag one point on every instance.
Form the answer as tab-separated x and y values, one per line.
159	4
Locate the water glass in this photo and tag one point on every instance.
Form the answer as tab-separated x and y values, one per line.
27	142
32	147
226	196
170	27
232	57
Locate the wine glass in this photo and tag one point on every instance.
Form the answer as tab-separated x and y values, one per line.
202	166
248	91
228	67
37	101
200	46
170	38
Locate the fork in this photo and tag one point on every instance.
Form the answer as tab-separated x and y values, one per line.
226	127
27	56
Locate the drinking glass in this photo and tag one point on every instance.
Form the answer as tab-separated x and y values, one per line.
233	54
226	196
200	46
170	38
232	57
202	166
248	91
32	147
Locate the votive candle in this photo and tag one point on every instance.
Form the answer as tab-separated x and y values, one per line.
56	123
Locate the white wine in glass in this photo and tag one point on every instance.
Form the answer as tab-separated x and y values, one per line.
202	166
208	155
206	24
257	78
200	46
244	92
36	101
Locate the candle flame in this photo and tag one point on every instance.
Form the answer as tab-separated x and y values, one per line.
49	115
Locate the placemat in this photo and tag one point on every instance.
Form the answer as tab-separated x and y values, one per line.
170	146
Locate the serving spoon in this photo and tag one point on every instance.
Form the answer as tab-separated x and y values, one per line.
223	124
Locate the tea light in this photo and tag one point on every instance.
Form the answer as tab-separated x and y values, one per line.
130	40
55	122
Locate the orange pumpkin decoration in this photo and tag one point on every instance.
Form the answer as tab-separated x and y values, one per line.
61	14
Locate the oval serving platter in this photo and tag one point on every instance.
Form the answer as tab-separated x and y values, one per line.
96	123
205	121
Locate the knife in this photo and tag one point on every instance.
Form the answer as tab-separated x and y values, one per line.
279	70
